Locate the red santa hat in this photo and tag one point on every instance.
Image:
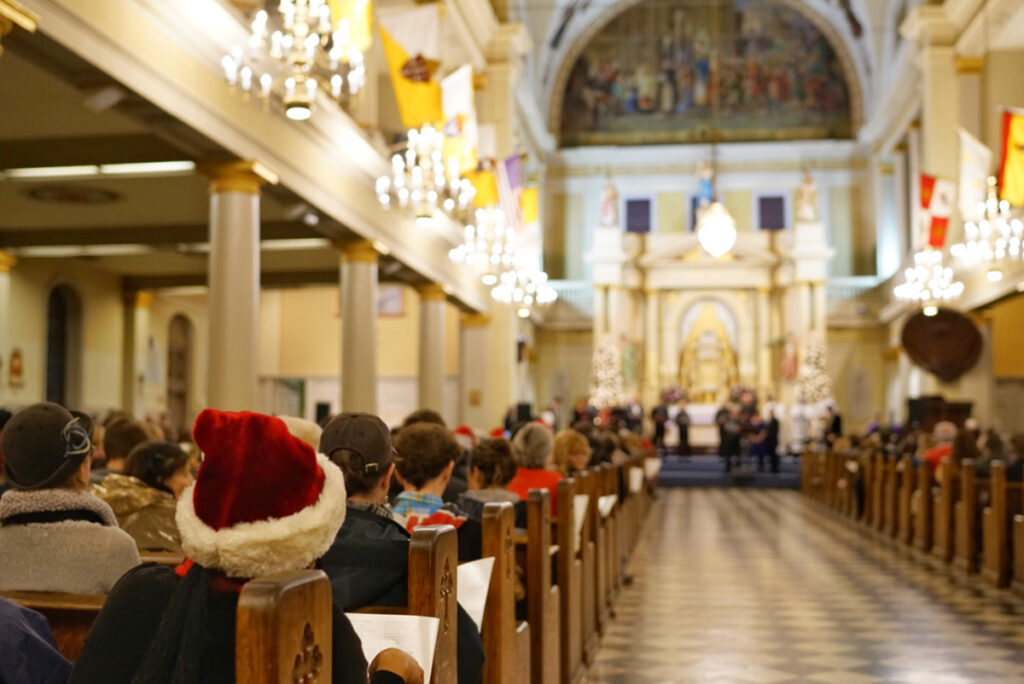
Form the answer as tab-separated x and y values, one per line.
263	502
465	436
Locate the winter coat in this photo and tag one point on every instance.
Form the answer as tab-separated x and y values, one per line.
61	540
127	624
146	513
29	654
368	565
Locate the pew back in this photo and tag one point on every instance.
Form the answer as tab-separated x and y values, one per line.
70	615
506	641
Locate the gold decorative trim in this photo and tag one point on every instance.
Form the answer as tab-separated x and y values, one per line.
7	261
966	66
360	251
431	292
886	169
143	299
237	176
476	320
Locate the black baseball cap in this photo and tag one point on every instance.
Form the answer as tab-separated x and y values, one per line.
43	444
362	434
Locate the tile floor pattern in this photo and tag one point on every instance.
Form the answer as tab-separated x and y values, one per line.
763	586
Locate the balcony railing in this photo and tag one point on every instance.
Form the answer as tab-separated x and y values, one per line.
578	294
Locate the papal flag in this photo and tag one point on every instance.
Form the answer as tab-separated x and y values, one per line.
486	186
411	38
1011	170
460	127
975	163
936	208
529	203
354	18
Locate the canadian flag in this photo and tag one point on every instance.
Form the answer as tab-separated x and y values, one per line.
937	197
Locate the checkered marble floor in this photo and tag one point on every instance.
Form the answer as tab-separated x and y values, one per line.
762	586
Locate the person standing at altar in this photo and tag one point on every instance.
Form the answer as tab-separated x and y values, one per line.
659	416
731	430
771	442
683	423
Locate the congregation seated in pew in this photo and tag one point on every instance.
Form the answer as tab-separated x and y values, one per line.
263	502
572	452
491	468
54	534
533	448
367	563
143	496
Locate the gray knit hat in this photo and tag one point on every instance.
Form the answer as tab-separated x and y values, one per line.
43	444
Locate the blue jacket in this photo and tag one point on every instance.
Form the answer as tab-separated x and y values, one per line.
29	654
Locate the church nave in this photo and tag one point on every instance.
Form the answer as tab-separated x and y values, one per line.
761	586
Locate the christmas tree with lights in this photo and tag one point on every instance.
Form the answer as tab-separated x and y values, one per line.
607	386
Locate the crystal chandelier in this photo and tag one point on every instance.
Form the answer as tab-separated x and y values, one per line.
525	289
421	178
992	240
489	245
929	282
716	230
292	53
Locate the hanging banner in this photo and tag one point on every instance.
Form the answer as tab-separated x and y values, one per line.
1011	170
486	186
975	161
460	127
936	208
354	17
412	46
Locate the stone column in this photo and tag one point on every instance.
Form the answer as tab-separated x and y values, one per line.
432	350
600	311
652	346
7	262
969	70
136	339
820	301
764	350
359	326
501	363
803	293
475	332
234	282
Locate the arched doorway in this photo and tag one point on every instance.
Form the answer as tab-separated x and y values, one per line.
179	371
63	347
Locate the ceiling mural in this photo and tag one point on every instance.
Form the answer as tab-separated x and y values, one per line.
678	71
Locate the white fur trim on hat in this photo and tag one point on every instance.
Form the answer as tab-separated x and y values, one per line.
253	549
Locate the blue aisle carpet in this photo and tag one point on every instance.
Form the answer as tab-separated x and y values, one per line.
709	471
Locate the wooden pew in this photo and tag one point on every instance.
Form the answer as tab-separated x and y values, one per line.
889	499
570	577
997	524
542	596
922	538
876	518
905	470
942	510
589	547
283	629
506	641
610	487
966	519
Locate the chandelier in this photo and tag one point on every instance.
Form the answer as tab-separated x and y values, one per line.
489	245
993	239
716	230
525	289
421	178
294	53
929	282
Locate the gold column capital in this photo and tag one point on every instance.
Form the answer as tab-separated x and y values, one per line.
7	261
968	66
138	299
431	292
476	320
236	176
358	251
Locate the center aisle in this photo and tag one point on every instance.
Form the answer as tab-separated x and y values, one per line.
762	586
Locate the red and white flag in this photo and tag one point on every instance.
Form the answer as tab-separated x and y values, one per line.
937	198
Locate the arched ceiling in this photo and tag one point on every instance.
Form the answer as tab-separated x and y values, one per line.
579	22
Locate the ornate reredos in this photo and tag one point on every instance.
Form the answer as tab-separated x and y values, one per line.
697	129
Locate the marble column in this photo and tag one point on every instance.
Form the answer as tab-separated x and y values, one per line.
501	363
474	344
764	350
820	302
805	300
234	282
359	262
652	346
600	311
7	262
972	90
136	339
432	349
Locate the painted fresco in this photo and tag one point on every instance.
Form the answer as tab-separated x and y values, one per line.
678	71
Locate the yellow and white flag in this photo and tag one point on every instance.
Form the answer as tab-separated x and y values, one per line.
975	160
1011	171
486	185
460	127
354	17
411	38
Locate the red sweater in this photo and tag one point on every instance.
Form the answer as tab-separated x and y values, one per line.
535	478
